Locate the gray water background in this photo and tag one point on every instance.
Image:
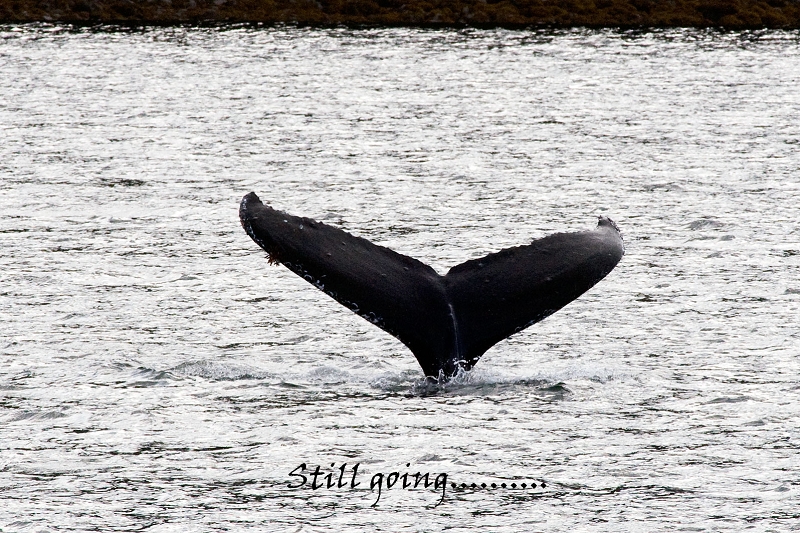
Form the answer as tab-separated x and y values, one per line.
157	375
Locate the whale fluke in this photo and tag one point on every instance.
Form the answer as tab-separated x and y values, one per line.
448	321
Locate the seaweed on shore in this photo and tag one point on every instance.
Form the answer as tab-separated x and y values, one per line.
730	14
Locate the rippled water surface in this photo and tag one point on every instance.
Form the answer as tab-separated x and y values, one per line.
157	374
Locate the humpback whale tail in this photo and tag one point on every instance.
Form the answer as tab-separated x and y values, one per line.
447	321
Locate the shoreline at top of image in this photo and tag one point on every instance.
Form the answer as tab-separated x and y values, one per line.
744	14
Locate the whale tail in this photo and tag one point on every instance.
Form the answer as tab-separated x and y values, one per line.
448	322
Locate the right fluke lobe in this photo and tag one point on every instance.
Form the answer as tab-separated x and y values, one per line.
448	321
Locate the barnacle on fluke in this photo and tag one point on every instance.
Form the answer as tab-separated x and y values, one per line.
739	14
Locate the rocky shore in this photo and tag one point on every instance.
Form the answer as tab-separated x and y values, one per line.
731	14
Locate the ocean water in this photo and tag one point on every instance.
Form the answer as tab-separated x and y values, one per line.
156	374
